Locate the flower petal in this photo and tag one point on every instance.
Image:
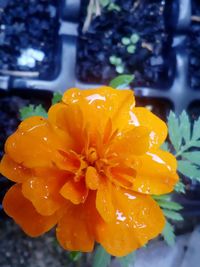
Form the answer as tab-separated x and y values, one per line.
70	161
104	102
24	214
43	192
14	171
156	173
132	142
33	144
73	231
69	118
122	175
138	219
104	201
157	127
76	192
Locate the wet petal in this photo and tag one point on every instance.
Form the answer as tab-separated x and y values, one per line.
157	127
24	214
70	161
138	219
104	201
133	142
69	118
107	131
43	192
14	171
76	192
156	173
104	102
33	144
73	231
122	175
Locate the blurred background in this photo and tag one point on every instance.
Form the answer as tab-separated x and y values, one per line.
48	46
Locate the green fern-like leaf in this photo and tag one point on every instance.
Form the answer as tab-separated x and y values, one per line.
101	258
168	234
184	139
57	97
174	131
31	111
180	187
128	260
172	215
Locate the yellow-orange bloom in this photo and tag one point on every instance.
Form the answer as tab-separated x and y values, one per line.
90	169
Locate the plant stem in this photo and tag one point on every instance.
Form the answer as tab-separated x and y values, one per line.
184	148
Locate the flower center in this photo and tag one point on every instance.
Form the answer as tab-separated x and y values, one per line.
92	156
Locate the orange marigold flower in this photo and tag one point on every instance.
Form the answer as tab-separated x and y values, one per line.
90	169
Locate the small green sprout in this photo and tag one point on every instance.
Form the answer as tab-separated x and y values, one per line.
109	5
104	3
114	60
117	62
114	7
120	69
126	41
134	38
131	42
131	49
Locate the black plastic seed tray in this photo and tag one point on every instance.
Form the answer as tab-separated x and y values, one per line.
180	88
177	88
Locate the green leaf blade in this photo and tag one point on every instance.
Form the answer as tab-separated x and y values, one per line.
101	258
171	205
168	234
104	3
185	126
121	81
180	187
193	156
174	131
173	215
165	146
75	255
57	97
128	260
30	111
188	169
196	130
195	143
162	197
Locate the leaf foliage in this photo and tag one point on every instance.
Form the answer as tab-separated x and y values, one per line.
57	97
121	81
168	234
128	260
31	110
101	258
185	138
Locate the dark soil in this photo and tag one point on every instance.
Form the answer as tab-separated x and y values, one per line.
28	24
19	250
194	47
150	63
160	107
